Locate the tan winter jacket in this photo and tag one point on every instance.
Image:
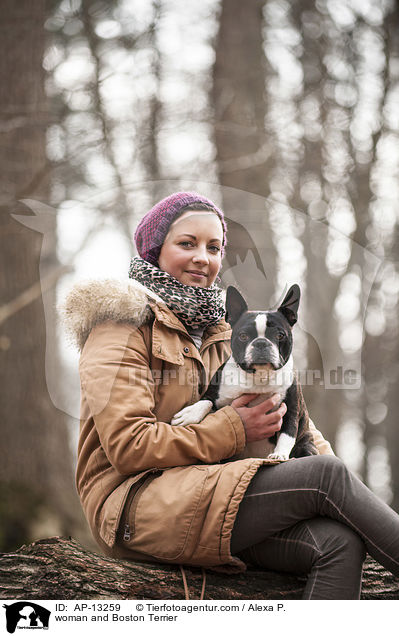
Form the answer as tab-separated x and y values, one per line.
151	491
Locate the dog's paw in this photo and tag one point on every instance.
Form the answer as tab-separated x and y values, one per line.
279	456
192	414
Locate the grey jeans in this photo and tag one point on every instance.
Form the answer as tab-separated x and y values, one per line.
313	516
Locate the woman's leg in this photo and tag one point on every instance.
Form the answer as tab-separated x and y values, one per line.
280	496
330	553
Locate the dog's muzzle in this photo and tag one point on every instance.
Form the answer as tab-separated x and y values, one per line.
262	351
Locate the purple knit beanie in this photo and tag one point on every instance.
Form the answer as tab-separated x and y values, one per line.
154	226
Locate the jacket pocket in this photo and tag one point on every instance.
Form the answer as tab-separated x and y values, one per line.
109	520
126	523
165	516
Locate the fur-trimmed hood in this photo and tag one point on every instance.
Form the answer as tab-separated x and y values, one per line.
91	303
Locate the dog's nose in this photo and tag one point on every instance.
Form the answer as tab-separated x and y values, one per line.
261	344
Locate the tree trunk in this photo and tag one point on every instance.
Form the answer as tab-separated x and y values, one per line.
389	340
325	406
36	482
59	568
239	97
242	148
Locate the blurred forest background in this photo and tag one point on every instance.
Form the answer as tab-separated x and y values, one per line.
286	113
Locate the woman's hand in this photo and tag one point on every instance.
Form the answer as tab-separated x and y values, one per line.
259	422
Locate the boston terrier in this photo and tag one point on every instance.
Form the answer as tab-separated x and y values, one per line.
260	362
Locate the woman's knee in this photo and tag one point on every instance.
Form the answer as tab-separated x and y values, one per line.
337	568
353	544
331	469
329	462
335	540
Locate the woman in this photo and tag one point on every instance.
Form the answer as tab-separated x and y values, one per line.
154	492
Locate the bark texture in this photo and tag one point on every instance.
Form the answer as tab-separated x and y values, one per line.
60	568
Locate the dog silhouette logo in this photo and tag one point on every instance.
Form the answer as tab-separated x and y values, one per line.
26	615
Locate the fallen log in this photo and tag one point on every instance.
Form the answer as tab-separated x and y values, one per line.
60	568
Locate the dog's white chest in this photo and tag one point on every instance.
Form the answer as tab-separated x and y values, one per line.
266	381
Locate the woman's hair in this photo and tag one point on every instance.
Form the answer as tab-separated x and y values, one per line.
196	207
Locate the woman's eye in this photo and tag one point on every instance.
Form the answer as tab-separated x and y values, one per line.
243	336
185	243
214	248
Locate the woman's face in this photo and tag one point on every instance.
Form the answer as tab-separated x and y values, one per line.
191	251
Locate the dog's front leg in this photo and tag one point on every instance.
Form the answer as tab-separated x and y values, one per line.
283	448
289	429
192	414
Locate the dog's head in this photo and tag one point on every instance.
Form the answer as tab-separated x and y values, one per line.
261	337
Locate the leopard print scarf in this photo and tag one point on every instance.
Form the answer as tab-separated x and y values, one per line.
196	307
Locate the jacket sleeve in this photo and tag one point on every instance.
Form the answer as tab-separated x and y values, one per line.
322	445
118	386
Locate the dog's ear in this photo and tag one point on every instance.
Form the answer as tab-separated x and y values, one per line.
235	305
290	304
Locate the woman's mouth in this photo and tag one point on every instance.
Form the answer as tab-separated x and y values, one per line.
197	275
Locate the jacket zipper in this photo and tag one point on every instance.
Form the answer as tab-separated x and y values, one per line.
127	533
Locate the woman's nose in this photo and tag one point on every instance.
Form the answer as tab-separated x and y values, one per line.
201	255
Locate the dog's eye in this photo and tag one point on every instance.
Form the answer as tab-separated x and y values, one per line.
243	336
280	336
